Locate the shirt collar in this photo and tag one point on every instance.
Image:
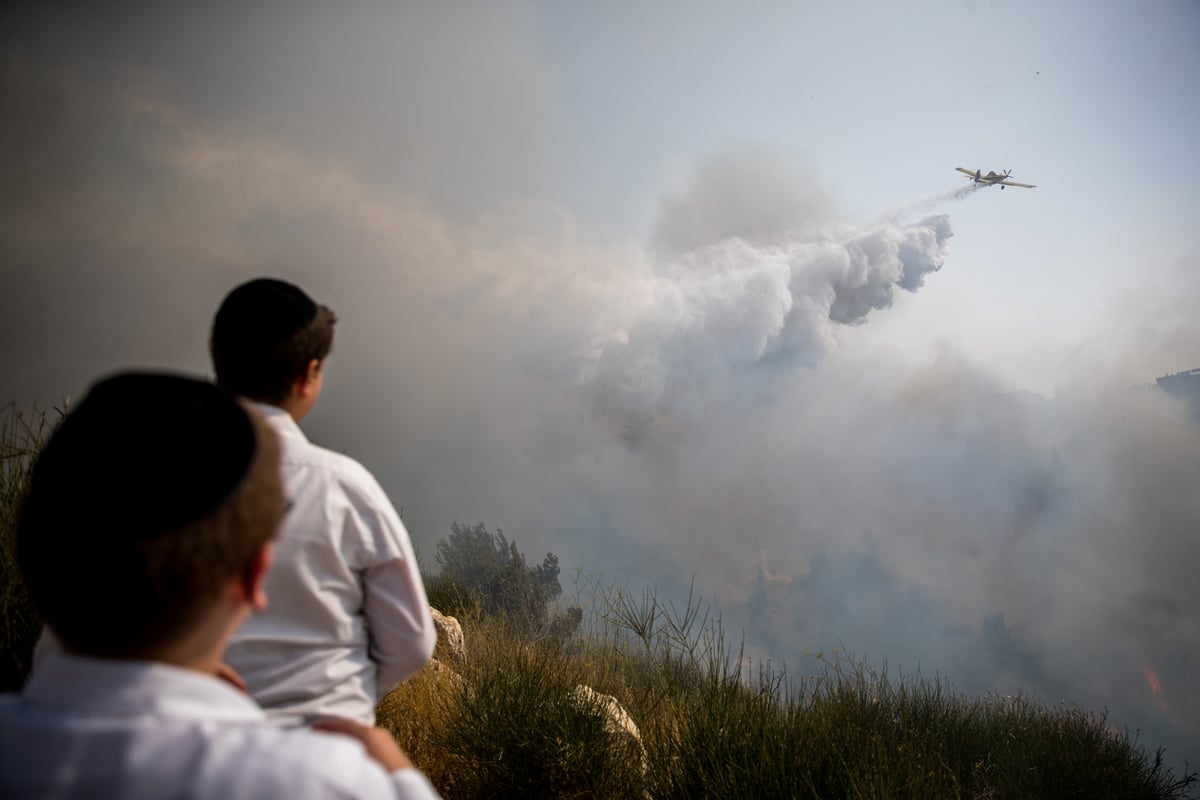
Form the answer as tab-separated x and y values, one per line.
281	421
119	688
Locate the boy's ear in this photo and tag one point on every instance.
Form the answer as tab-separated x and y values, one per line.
307	382
254	578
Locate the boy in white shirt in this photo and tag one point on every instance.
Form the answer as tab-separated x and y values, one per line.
144	543
348	618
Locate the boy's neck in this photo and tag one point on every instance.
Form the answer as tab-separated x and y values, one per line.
296	407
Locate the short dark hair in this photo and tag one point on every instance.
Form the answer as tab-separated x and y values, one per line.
263	337
149	497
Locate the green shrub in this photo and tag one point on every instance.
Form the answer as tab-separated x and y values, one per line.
450	597
515	729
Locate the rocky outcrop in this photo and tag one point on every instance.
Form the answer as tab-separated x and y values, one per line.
450	649
617	721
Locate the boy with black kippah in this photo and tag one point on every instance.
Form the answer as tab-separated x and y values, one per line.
348	618
165	495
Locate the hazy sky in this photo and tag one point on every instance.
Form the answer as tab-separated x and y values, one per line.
678	289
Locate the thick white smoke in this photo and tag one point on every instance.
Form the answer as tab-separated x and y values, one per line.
735	304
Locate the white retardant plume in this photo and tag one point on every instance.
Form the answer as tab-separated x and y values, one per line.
734	304
932	201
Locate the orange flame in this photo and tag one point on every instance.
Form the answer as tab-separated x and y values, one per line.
1156	687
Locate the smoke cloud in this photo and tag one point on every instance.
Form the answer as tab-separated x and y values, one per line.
734	305
694	406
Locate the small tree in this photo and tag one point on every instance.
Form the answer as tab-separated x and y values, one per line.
487	569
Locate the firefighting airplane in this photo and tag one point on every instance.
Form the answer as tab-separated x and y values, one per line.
994	178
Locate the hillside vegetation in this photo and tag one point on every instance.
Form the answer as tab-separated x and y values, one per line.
713	725
507	719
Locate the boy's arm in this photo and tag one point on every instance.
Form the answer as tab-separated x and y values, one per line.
399	623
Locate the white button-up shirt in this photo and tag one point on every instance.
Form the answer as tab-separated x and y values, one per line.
347	617
99	728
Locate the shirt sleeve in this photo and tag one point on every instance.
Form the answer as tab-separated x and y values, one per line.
399	623
411	784
312	764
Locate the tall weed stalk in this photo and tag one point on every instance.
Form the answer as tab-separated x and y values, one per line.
21	438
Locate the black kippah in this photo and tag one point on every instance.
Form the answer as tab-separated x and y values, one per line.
143	454
265	310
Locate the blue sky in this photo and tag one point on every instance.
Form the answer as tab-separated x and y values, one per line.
873	89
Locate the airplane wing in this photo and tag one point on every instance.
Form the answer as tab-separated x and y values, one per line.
966	171
1022	185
